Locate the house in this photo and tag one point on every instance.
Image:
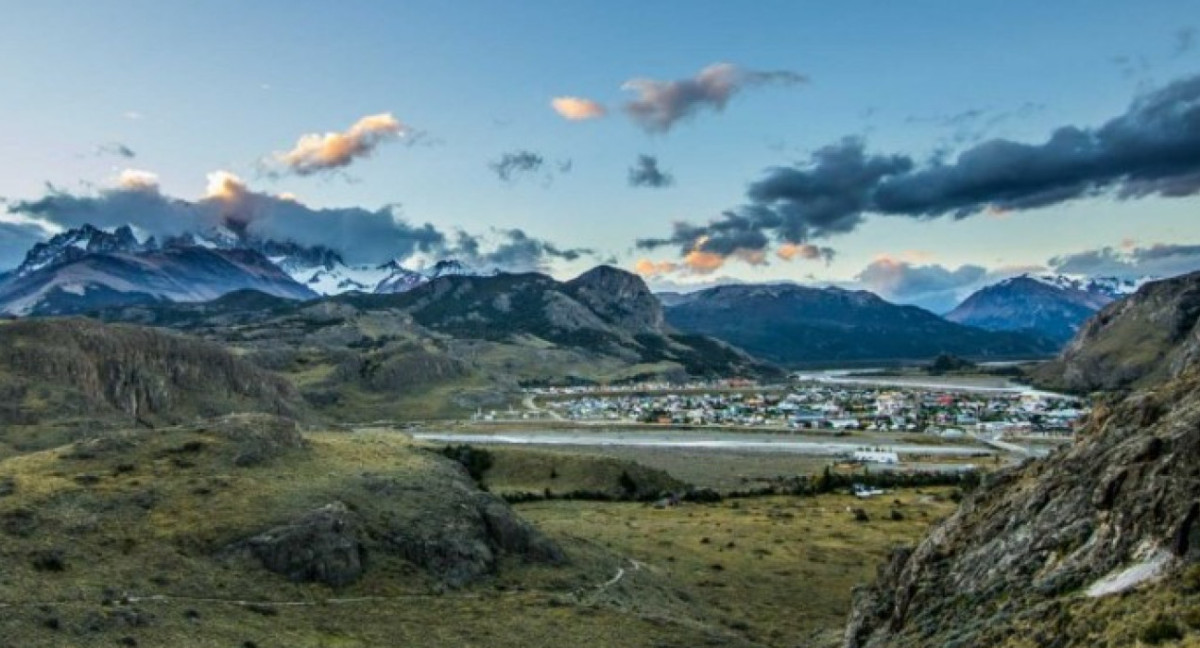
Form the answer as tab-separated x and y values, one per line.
876	456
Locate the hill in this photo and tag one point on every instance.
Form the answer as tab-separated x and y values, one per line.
456	343
242	531
1025	303
1138	341
62	378
1096	545
796	325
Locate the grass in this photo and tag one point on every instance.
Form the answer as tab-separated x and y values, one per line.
775	569
125	538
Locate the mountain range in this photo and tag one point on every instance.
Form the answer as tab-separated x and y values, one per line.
455	343
87	268
795	325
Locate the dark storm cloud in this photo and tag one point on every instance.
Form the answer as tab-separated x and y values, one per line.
660	104
515	164
1153	149
361	235
645	173
1159	260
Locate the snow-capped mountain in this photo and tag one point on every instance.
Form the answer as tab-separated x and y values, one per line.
77	243
1112	287
87	268
1053	306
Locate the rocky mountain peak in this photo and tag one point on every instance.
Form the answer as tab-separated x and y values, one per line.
618	296
78	242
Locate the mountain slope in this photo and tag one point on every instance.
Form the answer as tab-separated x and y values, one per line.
1096	545
69	279
1151	335
457	343
1089	547
1027	304
794	325
85	375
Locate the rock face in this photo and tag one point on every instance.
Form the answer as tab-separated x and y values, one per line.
1145	338
461	539
322	546
1117	512
75	367
442	524
619	297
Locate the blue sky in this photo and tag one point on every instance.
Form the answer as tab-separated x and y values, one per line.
193	88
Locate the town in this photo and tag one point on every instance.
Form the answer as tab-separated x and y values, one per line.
817	406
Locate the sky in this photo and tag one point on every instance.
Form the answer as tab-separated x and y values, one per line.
917	149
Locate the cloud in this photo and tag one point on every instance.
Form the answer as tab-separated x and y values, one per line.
649	269
516	251
806	251
319	153
137	180
1153	149
933	286
362	236
659	105
645	173
578	108
117	149
1131	261
517	163
514	165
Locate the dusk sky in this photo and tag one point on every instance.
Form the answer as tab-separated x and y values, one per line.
917	149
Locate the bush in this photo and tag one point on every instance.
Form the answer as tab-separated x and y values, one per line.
475	460
1160	630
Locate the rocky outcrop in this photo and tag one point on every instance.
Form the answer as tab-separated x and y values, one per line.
1117	512
1148	337
619	297
437	520
322	546
462	533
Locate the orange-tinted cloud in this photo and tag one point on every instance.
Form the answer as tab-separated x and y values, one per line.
315	152
578	108
648	268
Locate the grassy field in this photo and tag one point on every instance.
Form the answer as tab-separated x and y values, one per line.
131	540
778	570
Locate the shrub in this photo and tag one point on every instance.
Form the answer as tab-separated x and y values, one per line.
475	460
1160	630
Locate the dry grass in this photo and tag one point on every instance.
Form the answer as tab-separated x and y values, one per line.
776	569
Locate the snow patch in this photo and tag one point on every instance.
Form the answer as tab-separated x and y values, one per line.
1145	570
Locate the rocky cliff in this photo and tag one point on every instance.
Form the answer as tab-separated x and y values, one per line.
55	369
1098	544
1150	336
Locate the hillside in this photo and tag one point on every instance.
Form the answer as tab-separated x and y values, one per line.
456	343
1027	304
241	531
63	378
795	325
1138	341
1096	545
